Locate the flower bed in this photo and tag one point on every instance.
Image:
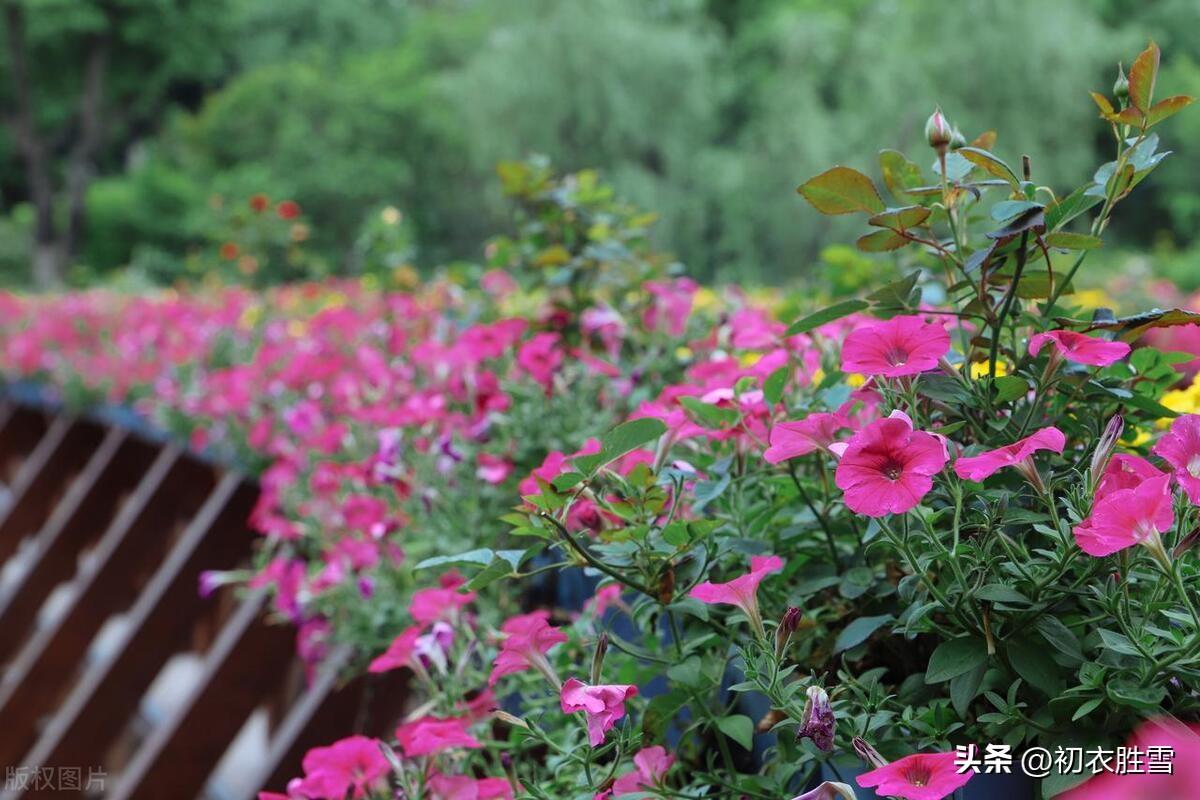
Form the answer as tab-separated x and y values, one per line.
932	535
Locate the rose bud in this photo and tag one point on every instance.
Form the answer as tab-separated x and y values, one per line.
937	130
1121	86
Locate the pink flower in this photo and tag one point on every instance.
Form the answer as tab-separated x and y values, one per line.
603	705
900	346
922	776
652	764
1126	517
430	735
351	765
742	591
529	637
540	357
1124	471
493	469
1018	454
1180	447
803	436
888	467
462	787
605	598
1079	348
1183	779
430	605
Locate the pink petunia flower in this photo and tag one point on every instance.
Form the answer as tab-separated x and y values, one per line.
352	765
606	597
463	787
430	605
887	467
1018	454
528	637
1180	447
741	591
1079	348
603	705
1126	517
430	735
803	436
652	765
900	346
921	776
1124	471
1181	780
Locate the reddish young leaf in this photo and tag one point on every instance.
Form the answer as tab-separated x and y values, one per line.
1142	75
842	190
1167	108
1106	108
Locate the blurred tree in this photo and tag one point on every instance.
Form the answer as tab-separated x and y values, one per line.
83	74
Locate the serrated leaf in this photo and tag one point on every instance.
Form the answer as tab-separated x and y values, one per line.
842	190
738	727
860	630
990	163
1167	108
900	219
1068	208
899	174
826	315
881	241
954	657
1142	76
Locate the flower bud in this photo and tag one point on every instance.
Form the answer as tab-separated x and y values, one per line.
1187	543
937	130
1121	86
868	753
957	139
783	633
818	722
829	790
598	658
1105	447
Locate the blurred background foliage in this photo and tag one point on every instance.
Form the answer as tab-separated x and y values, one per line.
384	120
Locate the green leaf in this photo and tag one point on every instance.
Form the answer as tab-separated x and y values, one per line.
990	163
954	657
1036	666
965	687
661	710
625	438
1142	76
567	480
1007	209
881	241
826	315
1073	241
1128	693
775	384
1131	328
687	672
738	727
860	630
898	295
1086	708
1060	637
1167	108
709	415
842	190
476	558
1009	388
1118	642
1070	207
899	174
999	593
900	219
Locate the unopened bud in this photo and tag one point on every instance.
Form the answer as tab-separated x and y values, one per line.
783	633
509	719
1105	447
957	139
937	130
598	658
829	790
1187	542
1121	86
868	753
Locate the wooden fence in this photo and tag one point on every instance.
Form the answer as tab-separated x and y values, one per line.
104	524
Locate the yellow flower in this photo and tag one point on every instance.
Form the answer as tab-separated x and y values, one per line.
980	369
856	380
1181	401
704	298
1094	298
251	316
683	353
818	377
749	359
1142	436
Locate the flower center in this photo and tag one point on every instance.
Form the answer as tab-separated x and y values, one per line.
897	357
892	470
917	775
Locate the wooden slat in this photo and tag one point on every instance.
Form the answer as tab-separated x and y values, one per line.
78	519
238	672
171	490
101	704
60	453
19	434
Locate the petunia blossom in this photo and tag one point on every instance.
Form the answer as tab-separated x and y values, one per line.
1019	454
430	735
527	638
1079	348
652	765
829	790
464	787
1180	447
803	436
1177	776
430	605
921	776
1124	471
1126	517
741	591
887	467
603	705
900	346
347	768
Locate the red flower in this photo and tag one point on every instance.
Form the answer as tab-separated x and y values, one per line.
288	209
229	251
259	203
922	776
